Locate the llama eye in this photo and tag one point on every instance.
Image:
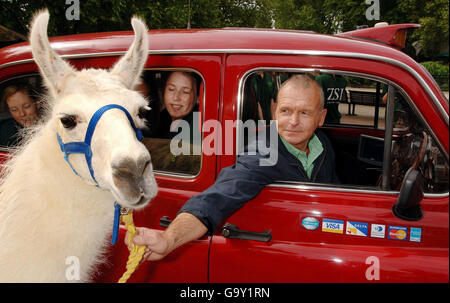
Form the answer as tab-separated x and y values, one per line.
69	122
143	112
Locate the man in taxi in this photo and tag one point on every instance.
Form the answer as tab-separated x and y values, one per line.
304	154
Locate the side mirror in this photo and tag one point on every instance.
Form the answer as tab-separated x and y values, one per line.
407	206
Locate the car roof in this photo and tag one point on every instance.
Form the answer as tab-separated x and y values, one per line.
224	40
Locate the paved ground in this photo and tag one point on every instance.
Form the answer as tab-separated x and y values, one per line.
365	114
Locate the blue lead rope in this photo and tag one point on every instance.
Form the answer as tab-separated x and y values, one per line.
115	231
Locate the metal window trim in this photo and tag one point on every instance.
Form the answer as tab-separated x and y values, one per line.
184	69
321	187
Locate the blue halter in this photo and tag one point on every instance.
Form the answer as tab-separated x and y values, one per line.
85	148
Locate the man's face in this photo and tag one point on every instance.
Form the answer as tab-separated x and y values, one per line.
22	108
299	113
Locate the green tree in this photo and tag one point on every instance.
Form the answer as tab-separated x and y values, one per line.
112	15
332	16
322	16
431	15
434	30
301	15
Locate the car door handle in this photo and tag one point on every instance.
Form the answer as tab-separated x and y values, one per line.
164	221
231	231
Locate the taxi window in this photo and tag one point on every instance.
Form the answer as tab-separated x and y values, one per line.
349	100
360	101
20	107
355	124
177	152
174	96
414	146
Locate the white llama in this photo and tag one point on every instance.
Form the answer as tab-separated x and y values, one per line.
48	214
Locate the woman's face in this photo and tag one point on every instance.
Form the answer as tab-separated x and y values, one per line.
179	95
22	108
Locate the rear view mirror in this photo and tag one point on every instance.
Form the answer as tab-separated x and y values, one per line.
407	206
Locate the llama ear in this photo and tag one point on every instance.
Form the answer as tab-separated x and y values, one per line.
53	68
130	66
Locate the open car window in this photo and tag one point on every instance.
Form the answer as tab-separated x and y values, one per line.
175	153
20	107
173	96
413	146
356	126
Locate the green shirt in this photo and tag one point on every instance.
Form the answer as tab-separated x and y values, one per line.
315	149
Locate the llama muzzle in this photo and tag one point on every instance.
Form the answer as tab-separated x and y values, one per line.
131	178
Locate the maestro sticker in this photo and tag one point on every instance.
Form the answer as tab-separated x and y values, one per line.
398	232
310	223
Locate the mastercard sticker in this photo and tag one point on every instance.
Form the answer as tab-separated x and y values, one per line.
397	232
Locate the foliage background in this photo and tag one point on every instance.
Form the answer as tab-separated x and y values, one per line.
322	16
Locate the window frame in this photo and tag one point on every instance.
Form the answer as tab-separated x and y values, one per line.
334	187
5	149
184	69
159	172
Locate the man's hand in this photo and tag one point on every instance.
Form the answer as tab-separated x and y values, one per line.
183	229
157	246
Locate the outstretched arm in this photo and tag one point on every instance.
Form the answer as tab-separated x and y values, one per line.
204	212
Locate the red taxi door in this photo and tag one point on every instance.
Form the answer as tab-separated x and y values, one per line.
323	252
189	262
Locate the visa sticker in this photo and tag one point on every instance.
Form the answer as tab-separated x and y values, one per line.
378	230
415	234
397	232
357	228
333	226
310	223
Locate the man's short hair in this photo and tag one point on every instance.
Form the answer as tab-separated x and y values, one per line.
306	82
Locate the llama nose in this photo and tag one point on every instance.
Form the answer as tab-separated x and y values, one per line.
129	168
127	175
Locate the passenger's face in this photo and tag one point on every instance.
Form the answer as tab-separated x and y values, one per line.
298	114
22	108
179	95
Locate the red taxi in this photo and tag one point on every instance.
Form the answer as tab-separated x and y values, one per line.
388	220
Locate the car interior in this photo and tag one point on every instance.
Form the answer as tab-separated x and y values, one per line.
359	138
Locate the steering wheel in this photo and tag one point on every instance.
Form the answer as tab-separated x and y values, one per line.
422	151
404	157
398	170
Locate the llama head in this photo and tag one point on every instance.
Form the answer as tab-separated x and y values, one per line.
120	163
